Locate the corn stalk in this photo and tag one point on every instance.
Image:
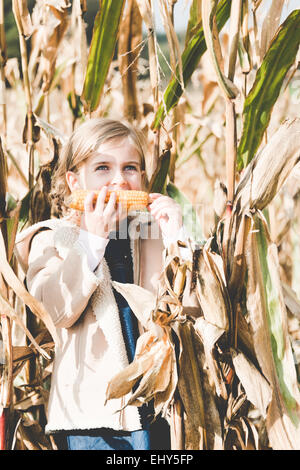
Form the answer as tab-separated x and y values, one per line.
129	50
6	378
24	26
3	59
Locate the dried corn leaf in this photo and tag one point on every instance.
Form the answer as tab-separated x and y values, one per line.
235	19
211	291
157	378
209	9
190	303
270	168
267	314
237	263
123	382
190	389
13	281
32	435
257	389
270	25
3	183
202	425
32	399
163	399
22	17
10	312
154	366
129	49
209	335
260	100
54	32
141	301
146	10
291	300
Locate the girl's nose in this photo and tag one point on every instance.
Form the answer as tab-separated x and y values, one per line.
119	179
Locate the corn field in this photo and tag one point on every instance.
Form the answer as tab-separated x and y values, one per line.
220	356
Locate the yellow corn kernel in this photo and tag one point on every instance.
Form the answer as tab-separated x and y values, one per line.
130	200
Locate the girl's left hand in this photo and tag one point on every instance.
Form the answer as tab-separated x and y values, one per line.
167	212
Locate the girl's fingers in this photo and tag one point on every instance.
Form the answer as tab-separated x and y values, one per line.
162	200
164	204
89	202
101	200
155	195
111	206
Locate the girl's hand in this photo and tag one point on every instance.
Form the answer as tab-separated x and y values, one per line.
101	218
167	212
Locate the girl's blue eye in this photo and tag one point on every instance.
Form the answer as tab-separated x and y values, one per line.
102	167
131	167
105	167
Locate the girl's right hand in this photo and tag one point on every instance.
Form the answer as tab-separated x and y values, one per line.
100	218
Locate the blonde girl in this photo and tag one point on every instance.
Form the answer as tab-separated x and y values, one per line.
69	264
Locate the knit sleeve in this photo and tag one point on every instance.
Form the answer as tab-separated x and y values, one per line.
64	284
94	247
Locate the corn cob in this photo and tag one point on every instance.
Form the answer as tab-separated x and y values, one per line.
130	200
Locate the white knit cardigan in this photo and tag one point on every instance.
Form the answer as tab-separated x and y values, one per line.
86	409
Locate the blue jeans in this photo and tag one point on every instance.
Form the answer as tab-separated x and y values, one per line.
108	439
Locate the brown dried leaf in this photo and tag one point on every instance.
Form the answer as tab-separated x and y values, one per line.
54	31
269	169
278	367
209	335
123	382
22	17
13	281
10	312
141	301
211	291
32	399
257	388
129	50
155	365
32	436
270	25
190	389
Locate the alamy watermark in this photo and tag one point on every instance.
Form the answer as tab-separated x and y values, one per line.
295	91
143	225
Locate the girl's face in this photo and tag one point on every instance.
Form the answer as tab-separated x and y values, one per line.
115	164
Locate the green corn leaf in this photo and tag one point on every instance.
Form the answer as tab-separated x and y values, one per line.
105	34
209	9
190	217
266	88
267	271
194	20
159	177
190	60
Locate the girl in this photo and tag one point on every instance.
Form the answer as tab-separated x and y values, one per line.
69	264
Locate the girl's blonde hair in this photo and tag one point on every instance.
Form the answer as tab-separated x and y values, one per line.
82	143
